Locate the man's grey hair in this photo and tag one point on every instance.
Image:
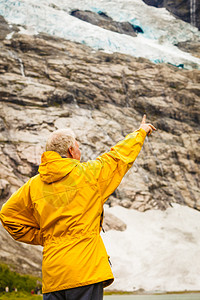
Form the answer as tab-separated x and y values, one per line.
60	141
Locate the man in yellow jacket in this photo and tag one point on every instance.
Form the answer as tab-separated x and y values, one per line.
61	208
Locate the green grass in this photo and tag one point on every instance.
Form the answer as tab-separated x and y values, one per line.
19	296
107	293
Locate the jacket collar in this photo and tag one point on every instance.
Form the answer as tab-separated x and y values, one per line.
53	167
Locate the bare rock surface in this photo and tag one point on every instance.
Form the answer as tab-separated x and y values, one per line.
104	21
4	28
49	83
192	47
112	222
22	258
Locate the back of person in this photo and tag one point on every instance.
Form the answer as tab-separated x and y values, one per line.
68	205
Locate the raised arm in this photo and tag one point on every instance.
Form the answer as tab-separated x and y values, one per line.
110	167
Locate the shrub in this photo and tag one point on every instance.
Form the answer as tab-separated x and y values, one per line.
14	280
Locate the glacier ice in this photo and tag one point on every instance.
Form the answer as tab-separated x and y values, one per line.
161	30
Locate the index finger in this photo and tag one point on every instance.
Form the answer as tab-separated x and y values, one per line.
153	127
144	119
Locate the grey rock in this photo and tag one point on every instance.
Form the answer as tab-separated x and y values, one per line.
104	21
22	258
111	222
4	28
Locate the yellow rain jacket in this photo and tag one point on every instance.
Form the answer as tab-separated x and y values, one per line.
60	209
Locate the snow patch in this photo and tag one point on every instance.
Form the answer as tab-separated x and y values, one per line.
159	250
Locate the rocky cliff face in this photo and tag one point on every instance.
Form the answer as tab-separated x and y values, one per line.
48	83
186	10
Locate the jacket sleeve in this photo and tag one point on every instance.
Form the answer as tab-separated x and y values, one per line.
110	167
17	217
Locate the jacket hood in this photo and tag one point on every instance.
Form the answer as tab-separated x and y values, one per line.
53	167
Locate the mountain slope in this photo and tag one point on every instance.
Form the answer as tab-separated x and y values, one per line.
48	82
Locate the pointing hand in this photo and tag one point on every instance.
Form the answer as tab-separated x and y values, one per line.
147	127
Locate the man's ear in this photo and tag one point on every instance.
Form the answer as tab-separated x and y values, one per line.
70	152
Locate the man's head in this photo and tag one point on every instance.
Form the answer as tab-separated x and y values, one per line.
64	143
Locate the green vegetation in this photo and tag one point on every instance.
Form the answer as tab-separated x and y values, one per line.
108	293
19	296
15	281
